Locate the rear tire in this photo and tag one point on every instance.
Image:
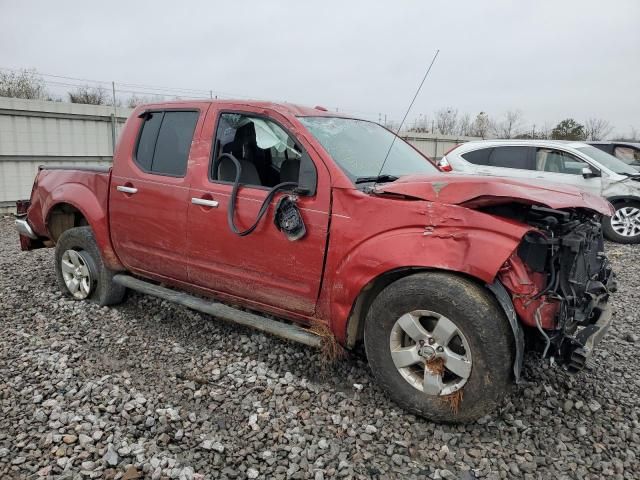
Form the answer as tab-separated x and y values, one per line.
624	226
459	319
80	271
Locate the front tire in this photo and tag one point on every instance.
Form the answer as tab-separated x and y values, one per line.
441	346
624	225
80	271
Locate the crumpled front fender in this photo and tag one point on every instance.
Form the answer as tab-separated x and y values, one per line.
451	238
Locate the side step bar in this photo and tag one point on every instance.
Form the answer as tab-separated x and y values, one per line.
220	310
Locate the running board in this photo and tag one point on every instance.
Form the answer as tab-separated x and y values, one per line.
220	310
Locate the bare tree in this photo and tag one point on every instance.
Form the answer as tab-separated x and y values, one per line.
447	121
597	129
510	126
134	100
482	125
465	125
632	136
23	84
89	95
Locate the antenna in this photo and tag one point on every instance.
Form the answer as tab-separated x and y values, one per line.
408	109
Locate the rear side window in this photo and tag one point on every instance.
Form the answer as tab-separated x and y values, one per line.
165	140
478	157
511	157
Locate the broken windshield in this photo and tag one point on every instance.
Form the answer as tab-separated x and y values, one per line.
359	147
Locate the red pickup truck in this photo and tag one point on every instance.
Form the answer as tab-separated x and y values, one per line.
324	228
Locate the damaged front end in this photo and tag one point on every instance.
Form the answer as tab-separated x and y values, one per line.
560	281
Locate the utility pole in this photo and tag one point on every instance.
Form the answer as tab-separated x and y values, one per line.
113	119
211	94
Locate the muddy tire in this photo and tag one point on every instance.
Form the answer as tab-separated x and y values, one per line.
441	346
80	271
624	226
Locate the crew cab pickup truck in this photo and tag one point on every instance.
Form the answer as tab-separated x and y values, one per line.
329	230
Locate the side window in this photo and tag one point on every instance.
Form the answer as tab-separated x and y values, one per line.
165	140
557	161
510	157
478	157
266	153
627	154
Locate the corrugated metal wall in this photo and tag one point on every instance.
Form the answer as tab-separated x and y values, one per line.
435	145
34	133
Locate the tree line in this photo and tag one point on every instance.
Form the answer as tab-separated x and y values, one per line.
29	85
511	125
447	121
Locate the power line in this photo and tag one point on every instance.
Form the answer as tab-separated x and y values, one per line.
154	90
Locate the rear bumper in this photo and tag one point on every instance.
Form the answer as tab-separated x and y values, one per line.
24	229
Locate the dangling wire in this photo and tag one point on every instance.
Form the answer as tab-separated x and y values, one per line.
231	210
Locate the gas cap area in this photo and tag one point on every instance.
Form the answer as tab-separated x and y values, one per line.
288	219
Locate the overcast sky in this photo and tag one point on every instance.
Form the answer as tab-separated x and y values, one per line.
550	59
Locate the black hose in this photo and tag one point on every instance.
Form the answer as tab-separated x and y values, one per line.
234	193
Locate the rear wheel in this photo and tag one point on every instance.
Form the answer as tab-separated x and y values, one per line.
80	271
624	225
441	346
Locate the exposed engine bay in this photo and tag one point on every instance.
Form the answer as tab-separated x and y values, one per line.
572	280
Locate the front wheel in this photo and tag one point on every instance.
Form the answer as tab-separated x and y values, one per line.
441	346
80	270
624	225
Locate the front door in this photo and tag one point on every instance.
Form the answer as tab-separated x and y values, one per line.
558	166
149	196
264	266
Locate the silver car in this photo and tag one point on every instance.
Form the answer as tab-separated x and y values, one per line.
572	163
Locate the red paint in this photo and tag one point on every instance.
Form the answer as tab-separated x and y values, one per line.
422	222
524	285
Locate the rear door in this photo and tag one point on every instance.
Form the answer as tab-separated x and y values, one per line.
502	161
263	267
558	166
149	192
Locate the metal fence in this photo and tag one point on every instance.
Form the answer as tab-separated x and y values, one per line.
34	133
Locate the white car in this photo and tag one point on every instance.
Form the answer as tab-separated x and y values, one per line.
571	163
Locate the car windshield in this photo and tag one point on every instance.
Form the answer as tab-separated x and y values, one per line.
359	147
609	161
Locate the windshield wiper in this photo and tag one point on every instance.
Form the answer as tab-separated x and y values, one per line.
377	179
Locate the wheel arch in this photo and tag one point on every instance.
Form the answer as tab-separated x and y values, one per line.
76	205
617	199
61	217
362	303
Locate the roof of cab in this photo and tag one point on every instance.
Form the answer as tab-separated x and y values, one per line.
281	107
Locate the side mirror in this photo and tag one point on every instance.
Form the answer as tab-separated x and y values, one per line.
588	173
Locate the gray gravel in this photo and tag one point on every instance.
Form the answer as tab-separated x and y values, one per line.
149	389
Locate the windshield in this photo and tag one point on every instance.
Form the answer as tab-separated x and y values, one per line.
359	148
609	161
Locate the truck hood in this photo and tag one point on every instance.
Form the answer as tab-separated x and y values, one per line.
477	191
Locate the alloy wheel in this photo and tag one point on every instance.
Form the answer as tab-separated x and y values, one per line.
76	274
626	221
430	352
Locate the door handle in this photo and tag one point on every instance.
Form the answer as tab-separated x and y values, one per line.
204	202
131	190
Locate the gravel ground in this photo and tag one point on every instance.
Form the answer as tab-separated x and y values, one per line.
151	390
